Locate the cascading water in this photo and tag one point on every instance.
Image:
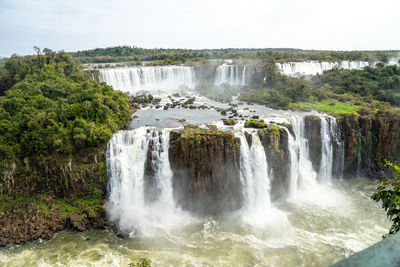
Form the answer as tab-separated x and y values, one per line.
254	174
230	74
318	226
332	151
128	208
255	180
304	175
297	69
325	168
134	79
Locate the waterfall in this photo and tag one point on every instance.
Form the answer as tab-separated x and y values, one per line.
302	172
254	175
244	76
230	74
331	142
126	159
297	69
325	168
163	173
134	79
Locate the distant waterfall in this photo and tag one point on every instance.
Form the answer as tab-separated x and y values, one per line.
230	74
134	79
297	69
126	159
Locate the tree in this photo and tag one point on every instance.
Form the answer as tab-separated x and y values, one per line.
389	195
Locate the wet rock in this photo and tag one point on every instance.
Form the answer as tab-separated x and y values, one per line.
313	134
229	122
275	142
205	164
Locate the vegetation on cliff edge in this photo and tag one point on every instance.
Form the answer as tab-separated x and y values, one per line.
51	106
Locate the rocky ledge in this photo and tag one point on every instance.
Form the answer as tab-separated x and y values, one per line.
40	196
205	165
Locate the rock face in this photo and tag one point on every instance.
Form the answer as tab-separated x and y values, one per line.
369	141
313	134
205	165
275	142
205	72
40	196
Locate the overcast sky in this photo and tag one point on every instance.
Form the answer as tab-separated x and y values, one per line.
309	24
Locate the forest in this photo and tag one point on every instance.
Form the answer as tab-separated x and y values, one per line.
334	91
50	106
182	56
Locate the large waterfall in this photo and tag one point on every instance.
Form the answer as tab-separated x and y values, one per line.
254	175
134	79
132	205
140	177
302	171
297	69
230	74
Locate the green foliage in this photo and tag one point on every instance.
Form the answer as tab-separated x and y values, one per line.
229	122
381	83
329	106
255	124
336	91
179	56
53	107
389	195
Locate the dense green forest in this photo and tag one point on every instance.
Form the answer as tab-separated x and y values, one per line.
50	106
181	56
335	91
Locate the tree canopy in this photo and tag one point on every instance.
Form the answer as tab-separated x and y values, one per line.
50	106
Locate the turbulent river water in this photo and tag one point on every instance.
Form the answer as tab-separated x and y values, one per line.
322	220
320	227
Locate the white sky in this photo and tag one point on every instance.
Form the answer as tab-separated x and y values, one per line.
309	24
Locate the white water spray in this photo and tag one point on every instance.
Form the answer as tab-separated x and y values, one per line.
304	175
297	69
325	168
127	154
134	79
230	74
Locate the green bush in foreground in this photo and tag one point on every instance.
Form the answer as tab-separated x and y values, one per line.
389	194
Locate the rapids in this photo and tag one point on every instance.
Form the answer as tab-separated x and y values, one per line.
320	227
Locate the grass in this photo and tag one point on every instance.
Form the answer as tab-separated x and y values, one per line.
329	106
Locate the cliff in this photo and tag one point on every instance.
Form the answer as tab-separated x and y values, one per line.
369	141
40	196
205	165
275	142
